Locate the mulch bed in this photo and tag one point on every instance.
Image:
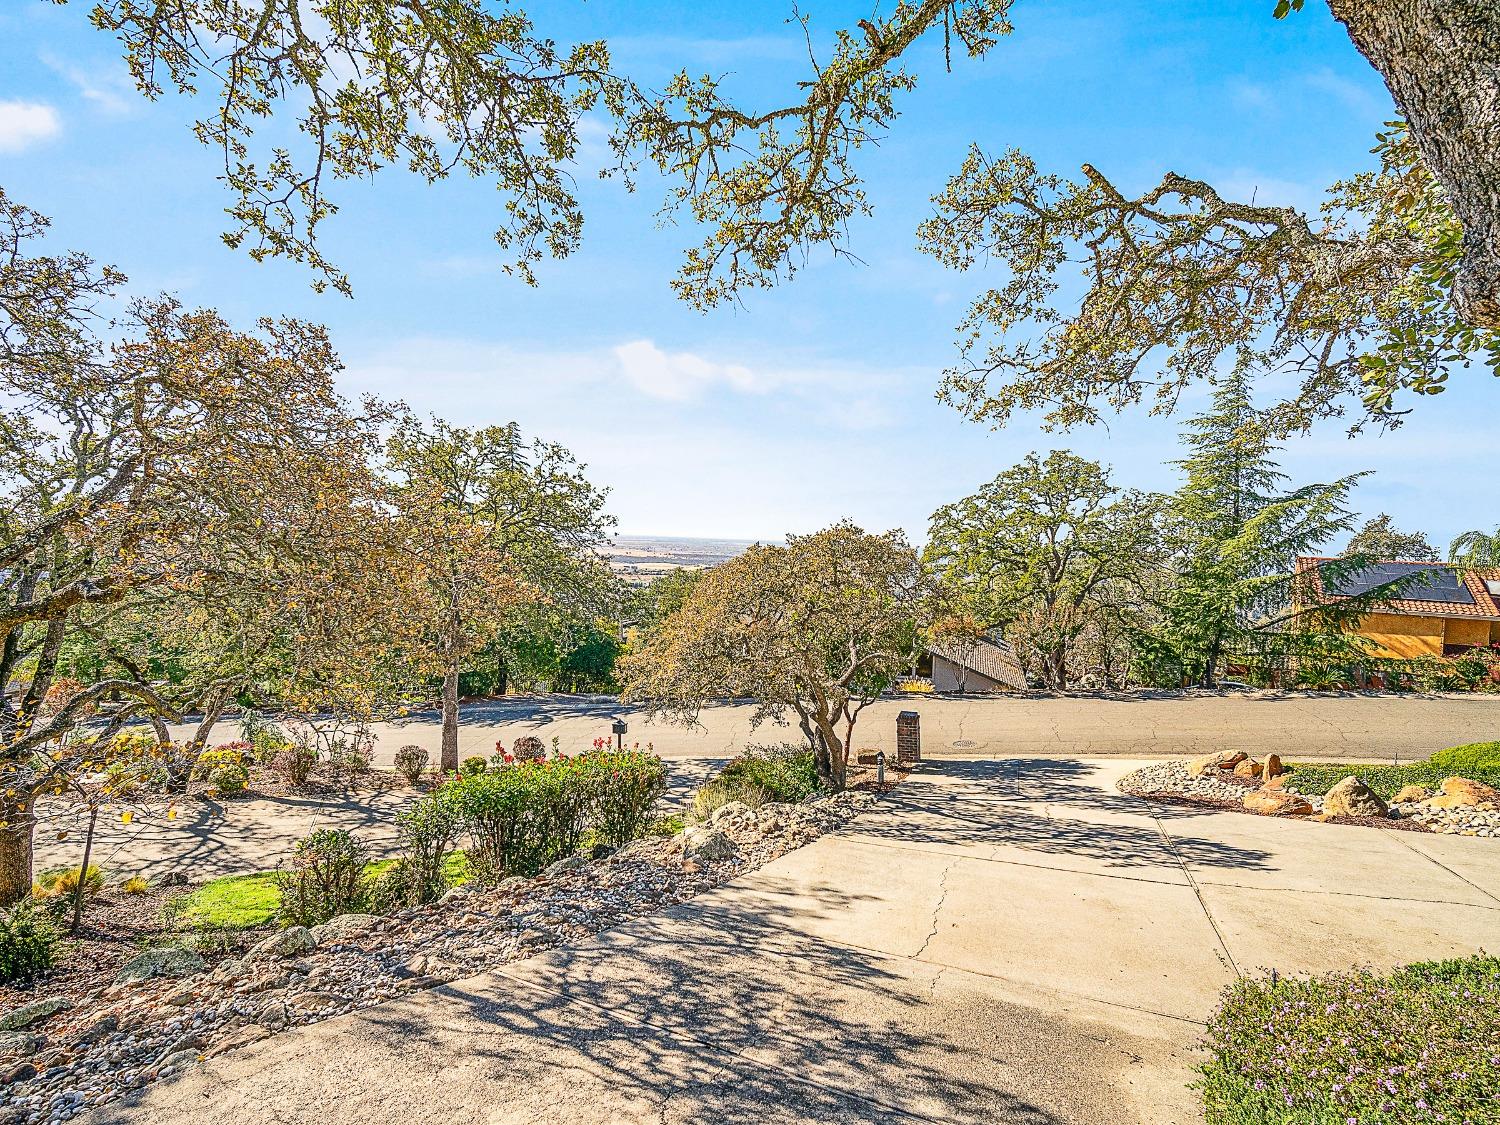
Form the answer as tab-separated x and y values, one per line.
1405	824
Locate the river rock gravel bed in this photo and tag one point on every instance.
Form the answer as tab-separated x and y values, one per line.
1171	781
56	1063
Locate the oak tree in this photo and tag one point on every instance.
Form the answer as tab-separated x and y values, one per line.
817	628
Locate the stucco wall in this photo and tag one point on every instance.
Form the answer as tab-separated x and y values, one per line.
1404	636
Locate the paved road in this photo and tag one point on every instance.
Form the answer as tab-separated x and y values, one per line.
1007	941
1142	725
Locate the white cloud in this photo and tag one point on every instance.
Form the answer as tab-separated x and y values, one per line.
107	90
682	376
23	124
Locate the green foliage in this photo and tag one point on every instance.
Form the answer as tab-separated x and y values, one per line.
623	788
27	943
1052	551
473	765
1414	1045
1236	533
1379	538
235	902
135	885
1317	778
325	877
229	780
427	830
522	818
785	773
411	763
1474	756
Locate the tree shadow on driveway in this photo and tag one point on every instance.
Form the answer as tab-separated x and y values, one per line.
1049	806
726	1012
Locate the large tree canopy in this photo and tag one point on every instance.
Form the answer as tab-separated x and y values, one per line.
1401	279
1051	551
819	628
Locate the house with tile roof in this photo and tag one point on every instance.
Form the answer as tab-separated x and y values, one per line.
1439	610
979	666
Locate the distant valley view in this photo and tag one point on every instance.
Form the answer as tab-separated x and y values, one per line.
640	558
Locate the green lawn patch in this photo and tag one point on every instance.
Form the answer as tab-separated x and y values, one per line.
235	902
1415	1045
1317	778
240	902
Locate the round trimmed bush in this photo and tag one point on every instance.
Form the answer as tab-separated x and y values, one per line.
229	780
411	763
473	765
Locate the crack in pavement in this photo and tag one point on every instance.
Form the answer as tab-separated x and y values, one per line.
1434	859
936	910
1198	894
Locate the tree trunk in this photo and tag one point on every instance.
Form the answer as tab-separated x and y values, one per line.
1441	62
15	849
448	759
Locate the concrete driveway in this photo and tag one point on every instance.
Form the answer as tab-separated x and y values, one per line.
1004	941
1146	724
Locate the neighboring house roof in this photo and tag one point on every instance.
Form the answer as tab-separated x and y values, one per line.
995	660
1448	591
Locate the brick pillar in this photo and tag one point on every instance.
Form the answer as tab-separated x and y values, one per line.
908	738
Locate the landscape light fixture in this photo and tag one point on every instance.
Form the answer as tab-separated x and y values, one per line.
619	728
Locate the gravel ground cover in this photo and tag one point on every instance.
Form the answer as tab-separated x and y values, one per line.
164	1010
1170	781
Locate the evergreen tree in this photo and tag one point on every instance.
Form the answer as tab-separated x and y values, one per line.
1237	533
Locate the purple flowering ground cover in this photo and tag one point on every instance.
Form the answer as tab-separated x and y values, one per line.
1418	1045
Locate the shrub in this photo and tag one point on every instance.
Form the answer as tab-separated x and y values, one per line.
427	830
520	820
473	765
135	885
61	883
325	877
218	757
411	763
785	773
623	788
294	762
229	780
27	943
528	748
1474	757
1414	1045
267	742
349	760
1317	778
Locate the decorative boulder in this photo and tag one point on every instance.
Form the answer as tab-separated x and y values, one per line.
1352	797
1218	760
35	1012
1410	793
1276	802
1249	768
290	942
1273	767
1461	793
159	963
707	844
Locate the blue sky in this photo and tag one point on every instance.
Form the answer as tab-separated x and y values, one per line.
813	401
